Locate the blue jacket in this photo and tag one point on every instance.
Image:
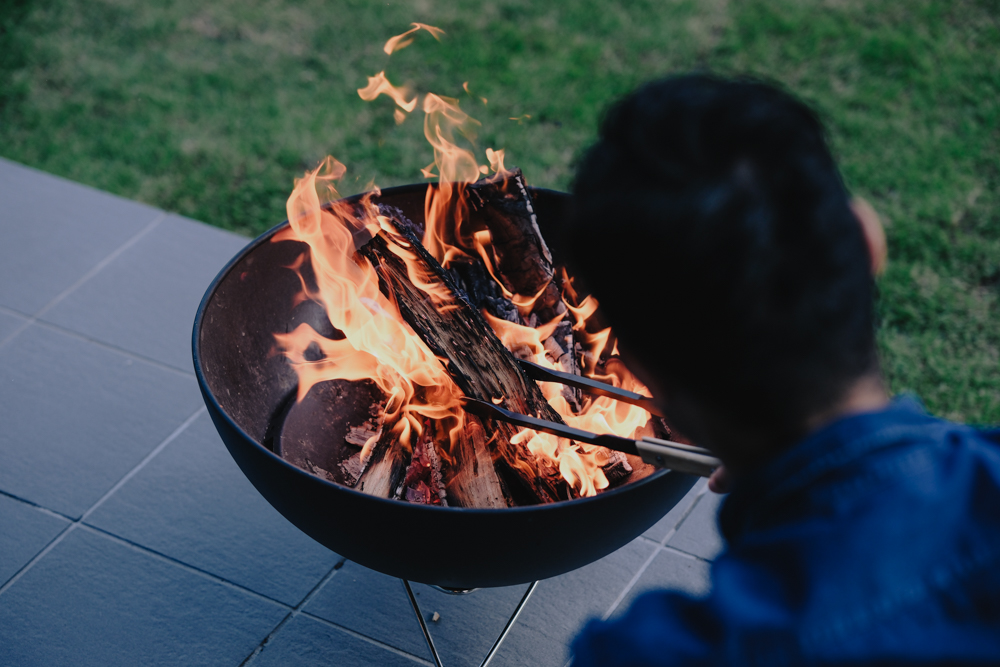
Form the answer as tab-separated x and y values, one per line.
874	541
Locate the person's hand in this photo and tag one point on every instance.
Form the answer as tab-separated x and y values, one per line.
720	481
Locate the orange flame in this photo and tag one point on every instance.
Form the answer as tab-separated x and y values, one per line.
400	42
379	85
377	343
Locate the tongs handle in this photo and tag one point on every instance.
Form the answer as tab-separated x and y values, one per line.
677	456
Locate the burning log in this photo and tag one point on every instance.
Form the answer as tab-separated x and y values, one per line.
524	261
385	469
477	361
474	481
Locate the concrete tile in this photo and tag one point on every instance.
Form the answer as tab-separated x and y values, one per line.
306	642
26	531
372	604
561	606
674	571
376	606
145	300
659	531
54	231
698	534
94	601
9	322
468	624
78	416
194	504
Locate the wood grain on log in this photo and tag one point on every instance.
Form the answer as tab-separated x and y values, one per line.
386	467
473	480
524	262
477	361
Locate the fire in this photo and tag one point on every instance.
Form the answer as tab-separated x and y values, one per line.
377	342
401	42
379	85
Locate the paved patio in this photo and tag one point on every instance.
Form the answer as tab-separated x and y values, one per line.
128	536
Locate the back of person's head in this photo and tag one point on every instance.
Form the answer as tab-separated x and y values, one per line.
714	228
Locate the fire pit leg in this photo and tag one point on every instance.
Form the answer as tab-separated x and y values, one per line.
510	624
423	625
496	644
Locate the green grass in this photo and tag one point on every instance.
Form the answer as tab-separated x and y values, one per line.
211	110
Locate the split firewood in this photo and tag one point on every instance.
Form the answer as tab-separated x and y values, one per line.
473	481
482	292
385	468
359	435
524	262
617	469
477	361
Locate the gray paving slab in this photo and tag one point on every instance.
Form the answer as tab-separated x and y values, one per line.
145	300
468	625
307	642
375	605
95	601
665	526
55	231
671	570
77	417
9	323
561	606
26	531
698	534
371	604
192	503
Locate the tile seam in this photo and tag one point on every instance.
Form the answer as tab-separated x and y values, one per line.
686	554
114	348
14	312
687	513
628	587
205	574
366	638
146	459
79	520
290	616
93	271
34	505
656	551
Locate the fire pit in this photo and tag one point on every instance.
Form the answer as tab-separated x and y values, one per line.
250	390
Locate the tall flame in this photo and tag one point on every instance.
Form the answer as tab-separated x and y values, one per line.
377	343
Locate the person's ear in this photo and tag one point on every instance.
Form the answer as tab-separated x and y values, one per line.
871	227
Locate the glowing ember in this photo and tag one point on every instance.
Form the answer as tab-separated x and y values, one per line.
377	342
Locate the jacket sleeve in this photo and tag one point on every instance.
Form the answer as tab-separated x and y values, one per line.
661	628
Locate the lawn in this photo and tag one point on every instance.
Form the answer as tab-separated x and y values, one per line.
211	109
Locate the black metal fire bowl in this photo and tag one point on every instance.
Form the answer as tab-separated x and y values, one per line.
245	387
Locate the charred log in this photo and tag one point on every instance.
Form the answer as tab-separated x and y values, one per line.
524	262
385	469
477	361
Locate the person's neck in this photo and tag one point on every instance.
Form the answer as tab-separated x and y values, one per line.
744	450
867	394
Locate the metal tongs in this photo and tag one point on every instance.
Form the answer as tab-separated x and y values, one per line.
660	453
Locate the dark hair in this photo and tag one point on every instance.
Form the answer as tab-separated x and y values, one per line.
713	226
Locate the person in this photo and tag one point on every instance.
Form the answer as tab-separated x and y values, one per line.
713	226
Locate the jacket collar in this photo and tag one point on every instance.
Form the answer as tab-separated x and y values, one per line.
833	446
